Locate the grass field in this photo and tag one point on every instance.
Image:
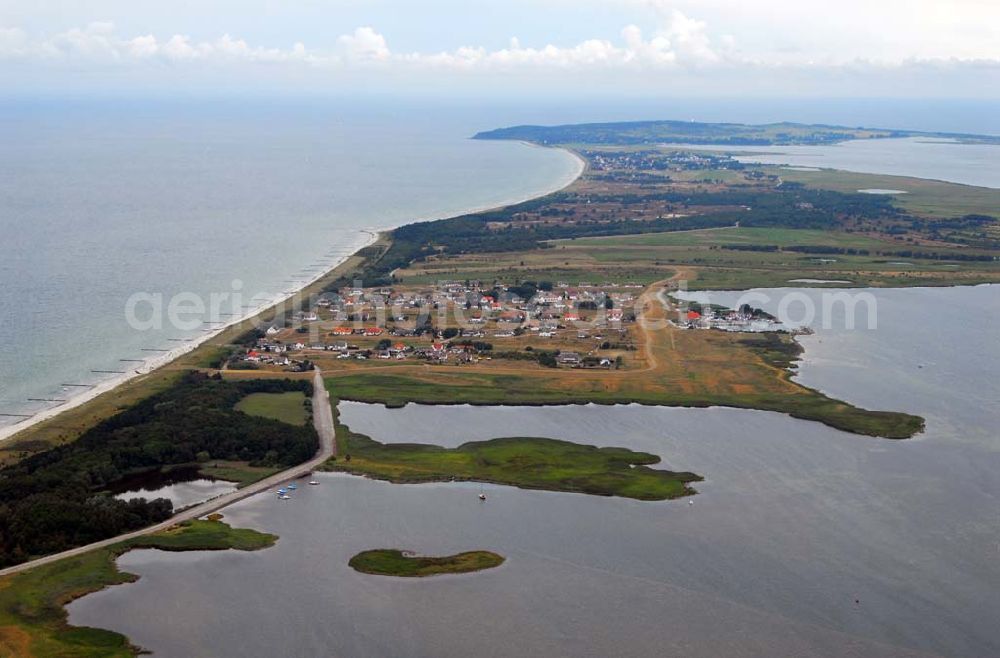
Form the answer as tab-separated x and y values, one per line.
782	237
508	270
392	562
769	391
929	198
239	472
32	613
650	257
711	266
524	462
285	407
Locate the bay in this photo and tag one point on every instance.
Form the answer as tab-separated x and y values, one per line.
918	157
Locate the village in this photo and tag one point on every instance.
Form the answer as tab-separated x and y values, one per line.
659	160
454	323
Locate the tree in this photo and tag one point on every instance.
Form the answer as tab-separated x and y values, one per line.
547	359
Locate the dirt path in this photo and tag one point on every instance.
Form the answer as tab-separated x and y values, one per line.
322	420
653	318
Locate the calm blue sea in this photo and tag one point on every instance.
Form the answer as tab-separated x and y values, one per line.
99	201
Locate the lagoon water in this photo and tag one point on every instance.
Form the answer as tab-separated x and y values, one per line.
100	200
181	486
971	164
803	540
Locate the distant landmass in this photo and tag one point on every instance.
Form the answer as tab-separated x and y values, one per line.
695	132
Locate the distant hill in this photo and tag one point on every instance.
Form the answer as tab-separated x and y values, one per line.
694	132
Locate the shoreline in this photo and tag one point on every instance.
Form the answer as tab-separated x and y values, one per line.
156	362
152	364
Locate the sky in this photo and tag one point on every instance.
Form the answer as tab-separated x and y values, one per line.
896	48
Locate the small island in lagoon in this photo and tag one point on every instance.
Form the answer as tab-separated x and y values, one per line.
406	564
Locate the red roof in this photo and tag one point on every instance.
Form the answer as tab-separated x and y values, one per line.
693	315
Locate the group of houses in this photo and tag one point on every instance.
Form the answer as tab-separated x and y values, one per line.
479	310
744	320
457	317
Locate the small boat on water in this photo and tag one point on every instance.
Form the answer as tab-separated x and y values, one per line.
292	487
313	482
284	497
282	491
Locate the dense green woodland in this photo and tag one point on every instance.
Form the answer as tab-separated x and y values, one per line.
58	499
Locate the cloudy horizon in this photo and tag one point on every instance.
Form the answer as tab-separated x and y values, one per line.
630	46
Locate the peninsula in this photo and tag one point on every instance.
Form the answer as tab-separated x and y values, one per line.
564	299
631	133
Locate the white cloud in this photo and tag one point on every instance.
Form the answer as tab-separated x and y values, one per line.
98	43
365	44
95	41
141	47
690	38
681	41
13	42
889	31
178	47
678	47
